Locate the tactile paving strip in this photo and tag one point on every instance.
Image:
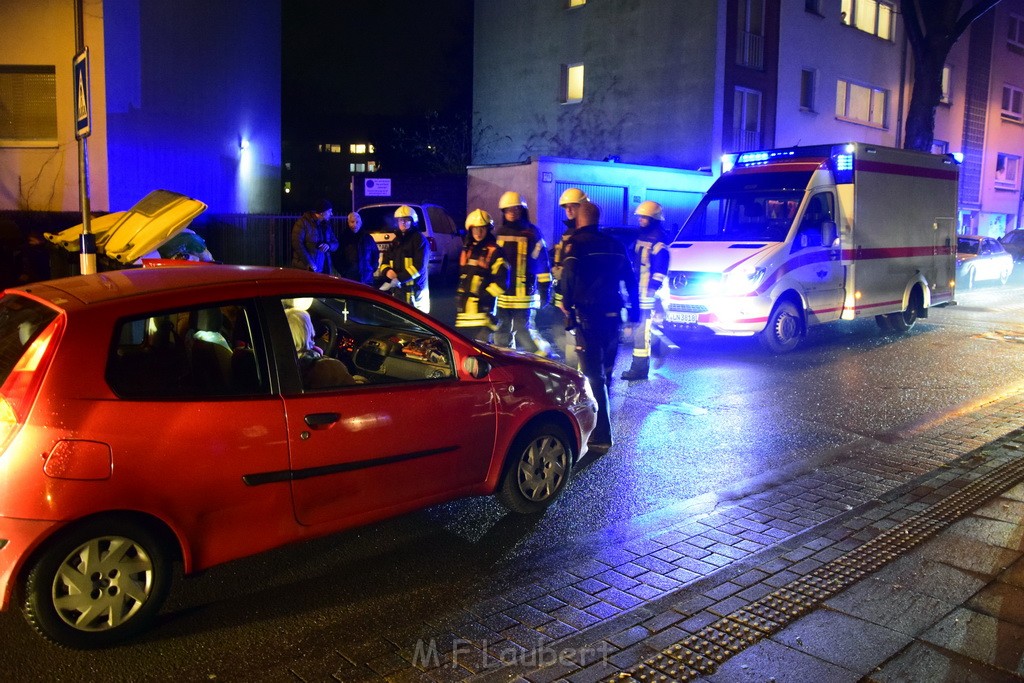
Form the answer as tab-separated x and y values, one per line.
702	652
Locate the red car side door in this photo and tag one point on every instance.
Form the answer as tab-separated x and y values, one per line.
365	452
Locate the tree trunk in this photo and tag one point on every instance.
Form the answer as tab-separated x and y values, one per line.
923	101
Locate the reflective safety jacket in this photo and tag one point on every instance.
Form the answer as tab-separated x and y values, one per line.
650	262
527	257
483	277
408	255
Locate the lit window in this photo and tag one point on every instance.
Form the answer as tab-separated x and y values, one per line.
1007	171
370	149
807	79
1013	103
577	3
28	104
872	16
947	73
1015	34
371	166
572	83
940	147
357	148
861	103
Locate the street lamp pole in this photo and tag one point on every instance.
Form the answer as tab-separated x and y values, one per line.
87	254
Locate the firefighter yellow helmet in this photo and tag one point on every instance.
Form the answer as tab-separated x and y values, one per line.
510	199
651	210
478	218
407	212
573	195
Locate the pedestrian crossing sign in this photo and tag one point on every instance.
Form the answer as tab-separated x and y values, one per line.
80	69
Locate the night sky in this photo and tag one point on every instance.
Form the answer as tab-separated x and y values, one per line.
352	66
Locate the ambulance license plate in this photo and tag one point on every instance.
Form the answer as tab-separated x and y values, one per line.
680	317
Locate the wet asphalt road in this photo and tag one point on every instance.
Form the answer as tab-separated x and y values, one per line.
720	418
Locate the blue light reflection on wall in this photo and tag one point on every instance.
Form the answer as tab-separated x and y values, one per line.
181	96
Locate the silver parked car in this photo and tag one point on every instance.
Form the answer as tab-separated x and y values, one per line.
981	258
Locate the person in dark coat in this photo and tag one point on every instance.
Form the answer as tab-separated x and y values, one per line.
313	240
594	268
358	255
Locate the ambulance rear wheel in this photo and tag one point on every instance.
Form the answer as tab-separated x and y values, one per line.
784	329
902	322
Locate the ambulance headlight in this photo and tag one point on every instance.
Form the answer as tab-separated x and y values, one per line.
742	280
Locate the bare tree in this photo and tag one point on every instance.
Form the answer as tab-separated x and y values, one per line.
933	26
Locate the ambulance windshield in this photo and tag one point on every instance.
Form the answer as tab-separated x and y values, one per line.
760	217
745	207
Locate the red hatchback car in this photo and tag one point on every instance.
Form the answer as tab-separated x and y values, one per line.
204	414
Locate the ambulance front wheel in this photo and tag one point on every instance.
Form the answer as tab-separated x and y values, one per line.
784	329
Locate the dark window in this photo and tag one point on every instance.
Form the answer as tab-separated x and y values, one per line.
200	352
21	321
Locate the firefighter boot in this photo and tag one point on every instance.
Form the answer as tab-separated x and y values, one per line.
637	371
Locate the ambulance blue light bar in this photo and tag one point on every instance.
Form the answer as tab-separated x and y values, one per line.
760	158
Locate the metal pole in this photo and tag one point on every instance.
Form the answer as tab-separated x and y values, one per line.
87	254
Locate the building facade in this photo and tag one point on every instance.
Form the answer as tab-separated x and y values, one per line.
678	84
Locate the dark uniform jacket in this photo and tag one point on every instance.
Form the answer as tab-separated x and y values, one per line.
650	263
593	265
483	277
527	257
408	256
557	257
357	257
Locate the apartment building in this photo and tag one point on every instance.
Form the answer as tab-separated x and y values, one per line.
677	84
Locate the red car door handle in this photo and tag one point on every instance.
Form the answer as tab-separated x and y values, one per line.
322	420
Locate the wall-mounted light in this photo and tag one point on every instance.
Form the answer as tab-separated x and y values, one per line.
243	144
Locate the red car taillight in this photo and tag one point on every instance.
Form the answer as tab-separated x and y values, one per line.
18	393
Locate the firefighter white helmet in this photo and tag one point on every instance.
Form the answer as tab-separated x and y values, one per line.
511	199
478	218
407	212
573	195
651	210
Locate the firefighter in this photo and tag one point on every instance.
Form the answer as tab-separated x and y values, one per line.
593	267
650	263
483	277
403	268
530	282
570	203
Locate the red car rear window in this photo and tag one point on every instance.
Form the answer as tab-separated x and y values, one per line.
21	321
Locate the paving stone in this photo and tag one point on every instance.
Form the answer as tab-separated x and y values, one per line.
728	551
939	580
556	630
728	606
695	568
616	580
547	603
969	554
618	598
1001	601
660	581
897	608
576	617
981	638
592	586
630	636
718	560
846	641
645	592
603	610
921	662
768	660
991	531
528	616
574	597
1014	574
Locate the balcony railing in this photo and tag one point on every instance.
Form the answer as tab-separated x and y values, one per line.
750	50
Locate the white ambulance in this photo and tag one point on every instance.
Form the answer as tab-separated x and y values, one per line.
790	238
